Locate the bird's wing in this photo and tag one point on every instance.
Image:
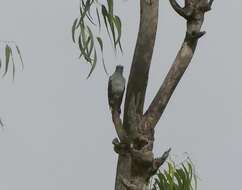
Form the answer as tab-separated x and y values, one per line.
109	90
121	96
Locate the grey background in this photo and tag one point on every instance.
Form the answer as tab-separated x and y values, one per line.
59	129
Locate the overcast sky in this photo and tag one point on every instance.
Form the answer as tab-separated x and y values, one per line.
59	129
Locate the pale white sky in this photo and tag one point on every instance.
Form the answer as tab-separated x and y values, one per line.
59	129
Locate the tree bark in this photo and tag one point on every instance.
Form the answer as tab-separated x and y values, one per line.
138	78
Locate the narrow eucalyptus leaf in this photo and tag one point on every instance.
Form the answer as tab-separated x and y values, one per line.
91	40
20	56
91	19
120	46
89	15
86	7
7	57
81	47
118	25
110	7
100	42
83	32
13	64
87	42
98	18
111	24
93	64
73	30
105	18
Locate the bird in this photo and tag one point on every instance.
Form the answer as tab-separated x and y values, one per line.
116	88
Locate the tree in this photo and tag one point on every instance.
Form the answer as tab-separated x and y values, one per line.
134	145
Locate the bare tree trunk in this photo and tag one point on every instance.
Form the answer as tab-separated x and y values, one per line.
132	174
136	162
123	169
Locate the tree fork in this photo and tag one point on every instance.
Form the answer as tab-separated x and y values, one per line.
196	9
136	162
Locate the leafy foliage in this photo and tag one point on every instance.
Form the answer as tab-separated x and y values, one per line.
181	177
92	13
8	49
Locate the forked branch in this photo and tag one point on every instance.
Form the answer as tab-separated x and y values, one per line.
138	78
183	58
185	12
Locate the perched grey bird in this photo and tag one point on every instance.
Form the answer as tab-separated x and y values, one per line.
116	87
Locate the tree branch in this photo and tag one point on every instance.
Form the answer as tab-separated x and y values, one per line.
138	77
158	162
186	13
182	60
118	126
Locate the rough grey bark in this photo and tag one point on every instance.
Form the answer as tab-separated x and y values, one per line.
136	162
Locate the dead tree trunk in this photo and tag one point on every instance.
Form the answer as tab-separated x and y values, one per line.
136	163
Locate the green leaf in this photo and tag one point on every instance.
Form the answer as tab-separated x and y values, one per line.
105	17
187	175
92	41
20	56
118	25
195	181
82	40
110	7
86	11
93	64
89	15
120	46
13	65
88	41
108	21
8	51
111	24
100	42
90	19
99	21
83	50
74	29
170	177
176	177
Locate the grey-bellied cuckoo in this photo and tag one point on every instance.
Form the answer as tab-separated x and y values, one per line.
116	87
